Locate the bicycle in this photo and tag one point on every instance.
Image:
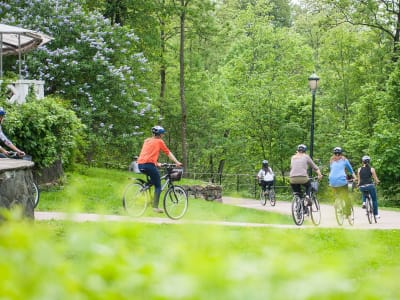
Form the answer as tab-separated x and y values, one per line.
369	207
299	209
137	195
267	194
35	192
340	209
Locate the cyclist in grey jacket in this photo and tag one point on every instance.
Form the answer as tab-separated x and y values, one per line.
298	170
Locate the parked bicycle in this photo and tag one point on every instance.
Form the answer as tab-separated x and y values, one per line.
138	195
369	207
341	211
267	194
35	192
301	207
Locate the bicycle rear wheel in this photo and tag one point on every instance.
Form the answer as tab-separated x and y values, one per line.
272	197
339	211
350	218
135	199
315	210
297	211
369	209
175	202
263	198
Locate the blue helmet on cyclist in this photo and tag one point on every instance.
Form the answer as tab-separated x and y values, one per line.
366	159
157	130
301	148
265	163
337	150
2	112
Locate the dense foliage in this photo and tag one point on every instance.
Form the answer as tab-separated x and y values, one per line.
246	66
46	130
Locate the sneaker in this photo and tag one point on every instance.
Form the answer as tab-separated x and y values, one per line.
307	201
377	216
158	210
363	205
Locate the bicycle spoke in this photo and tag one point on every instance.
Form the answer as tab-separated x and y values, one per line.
175	202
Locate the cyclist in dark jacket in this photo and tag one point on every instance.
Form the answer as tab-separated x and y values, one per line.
365	183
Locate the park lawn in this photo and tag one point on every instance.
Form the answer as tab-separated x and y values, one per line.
111	260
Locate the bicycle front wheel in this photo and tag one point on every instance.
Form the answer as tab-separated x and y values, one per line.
175	202
272	197
339	211
315	210
135	199
263	199
350	218
297	211
35	195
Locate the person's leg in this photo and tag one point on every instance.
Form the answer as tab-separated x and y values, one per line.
296	188
362	189
372	191
151	170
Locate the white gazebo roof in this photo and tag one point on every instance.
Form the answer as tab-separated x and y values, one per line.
16	40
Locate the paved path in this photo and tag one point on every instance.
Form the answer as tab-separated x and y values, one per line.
389	219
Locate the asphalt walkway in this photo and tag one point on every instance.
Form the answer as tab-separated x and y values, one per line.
388	220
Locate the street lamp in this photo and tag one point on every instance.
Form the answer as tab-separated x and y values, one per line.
313	84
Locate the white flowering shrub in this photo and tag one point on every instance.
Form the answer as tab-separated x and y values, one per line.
92	64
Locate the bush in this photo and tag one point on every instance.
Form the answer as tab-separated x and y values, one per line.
45	130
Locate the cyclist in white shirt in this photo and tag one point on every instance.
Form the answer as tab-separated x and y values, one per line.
265	176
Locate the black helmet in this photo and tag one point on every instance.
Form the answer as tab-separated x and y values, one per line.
366	159
302	148
157	130
337	150
2	112
265	163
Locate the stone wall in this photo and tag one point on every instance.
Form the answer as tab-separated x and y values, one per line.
16	185
209	192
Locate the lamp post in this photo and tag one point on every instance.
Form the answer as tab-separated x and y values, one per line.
313	84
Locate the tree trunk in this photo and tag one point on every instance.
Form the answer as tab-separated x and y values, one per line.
182	82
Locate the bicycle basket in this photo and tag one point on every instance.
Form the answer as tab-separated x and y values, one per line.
314	186
175	174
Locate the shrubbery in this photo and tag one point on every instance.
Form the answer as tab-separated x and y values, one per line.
46	130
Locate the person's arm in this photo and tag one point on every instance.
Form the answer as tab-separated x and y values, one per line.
315	168
377	181
13	147
350	169
173	158
4	151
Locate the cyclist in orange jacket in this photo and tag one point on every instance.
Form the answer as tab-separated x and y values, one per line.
148	161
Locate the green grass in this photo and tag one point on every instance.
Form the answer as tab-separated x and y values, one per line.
97	190
63	260
133	260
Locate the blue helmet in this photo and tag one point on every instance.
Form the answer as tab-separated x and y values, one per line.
157	130
2	112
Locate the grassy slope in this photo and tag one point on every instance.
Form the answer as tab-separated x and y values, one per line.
62	260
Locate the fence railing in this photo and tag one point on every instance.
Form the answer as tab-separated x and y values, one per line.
241	183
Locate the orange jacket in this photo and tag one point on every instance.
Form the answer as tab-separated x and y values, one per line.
151	150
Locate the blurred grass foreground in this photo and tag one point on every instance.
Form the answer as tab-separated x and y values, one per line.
48	260
110	260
